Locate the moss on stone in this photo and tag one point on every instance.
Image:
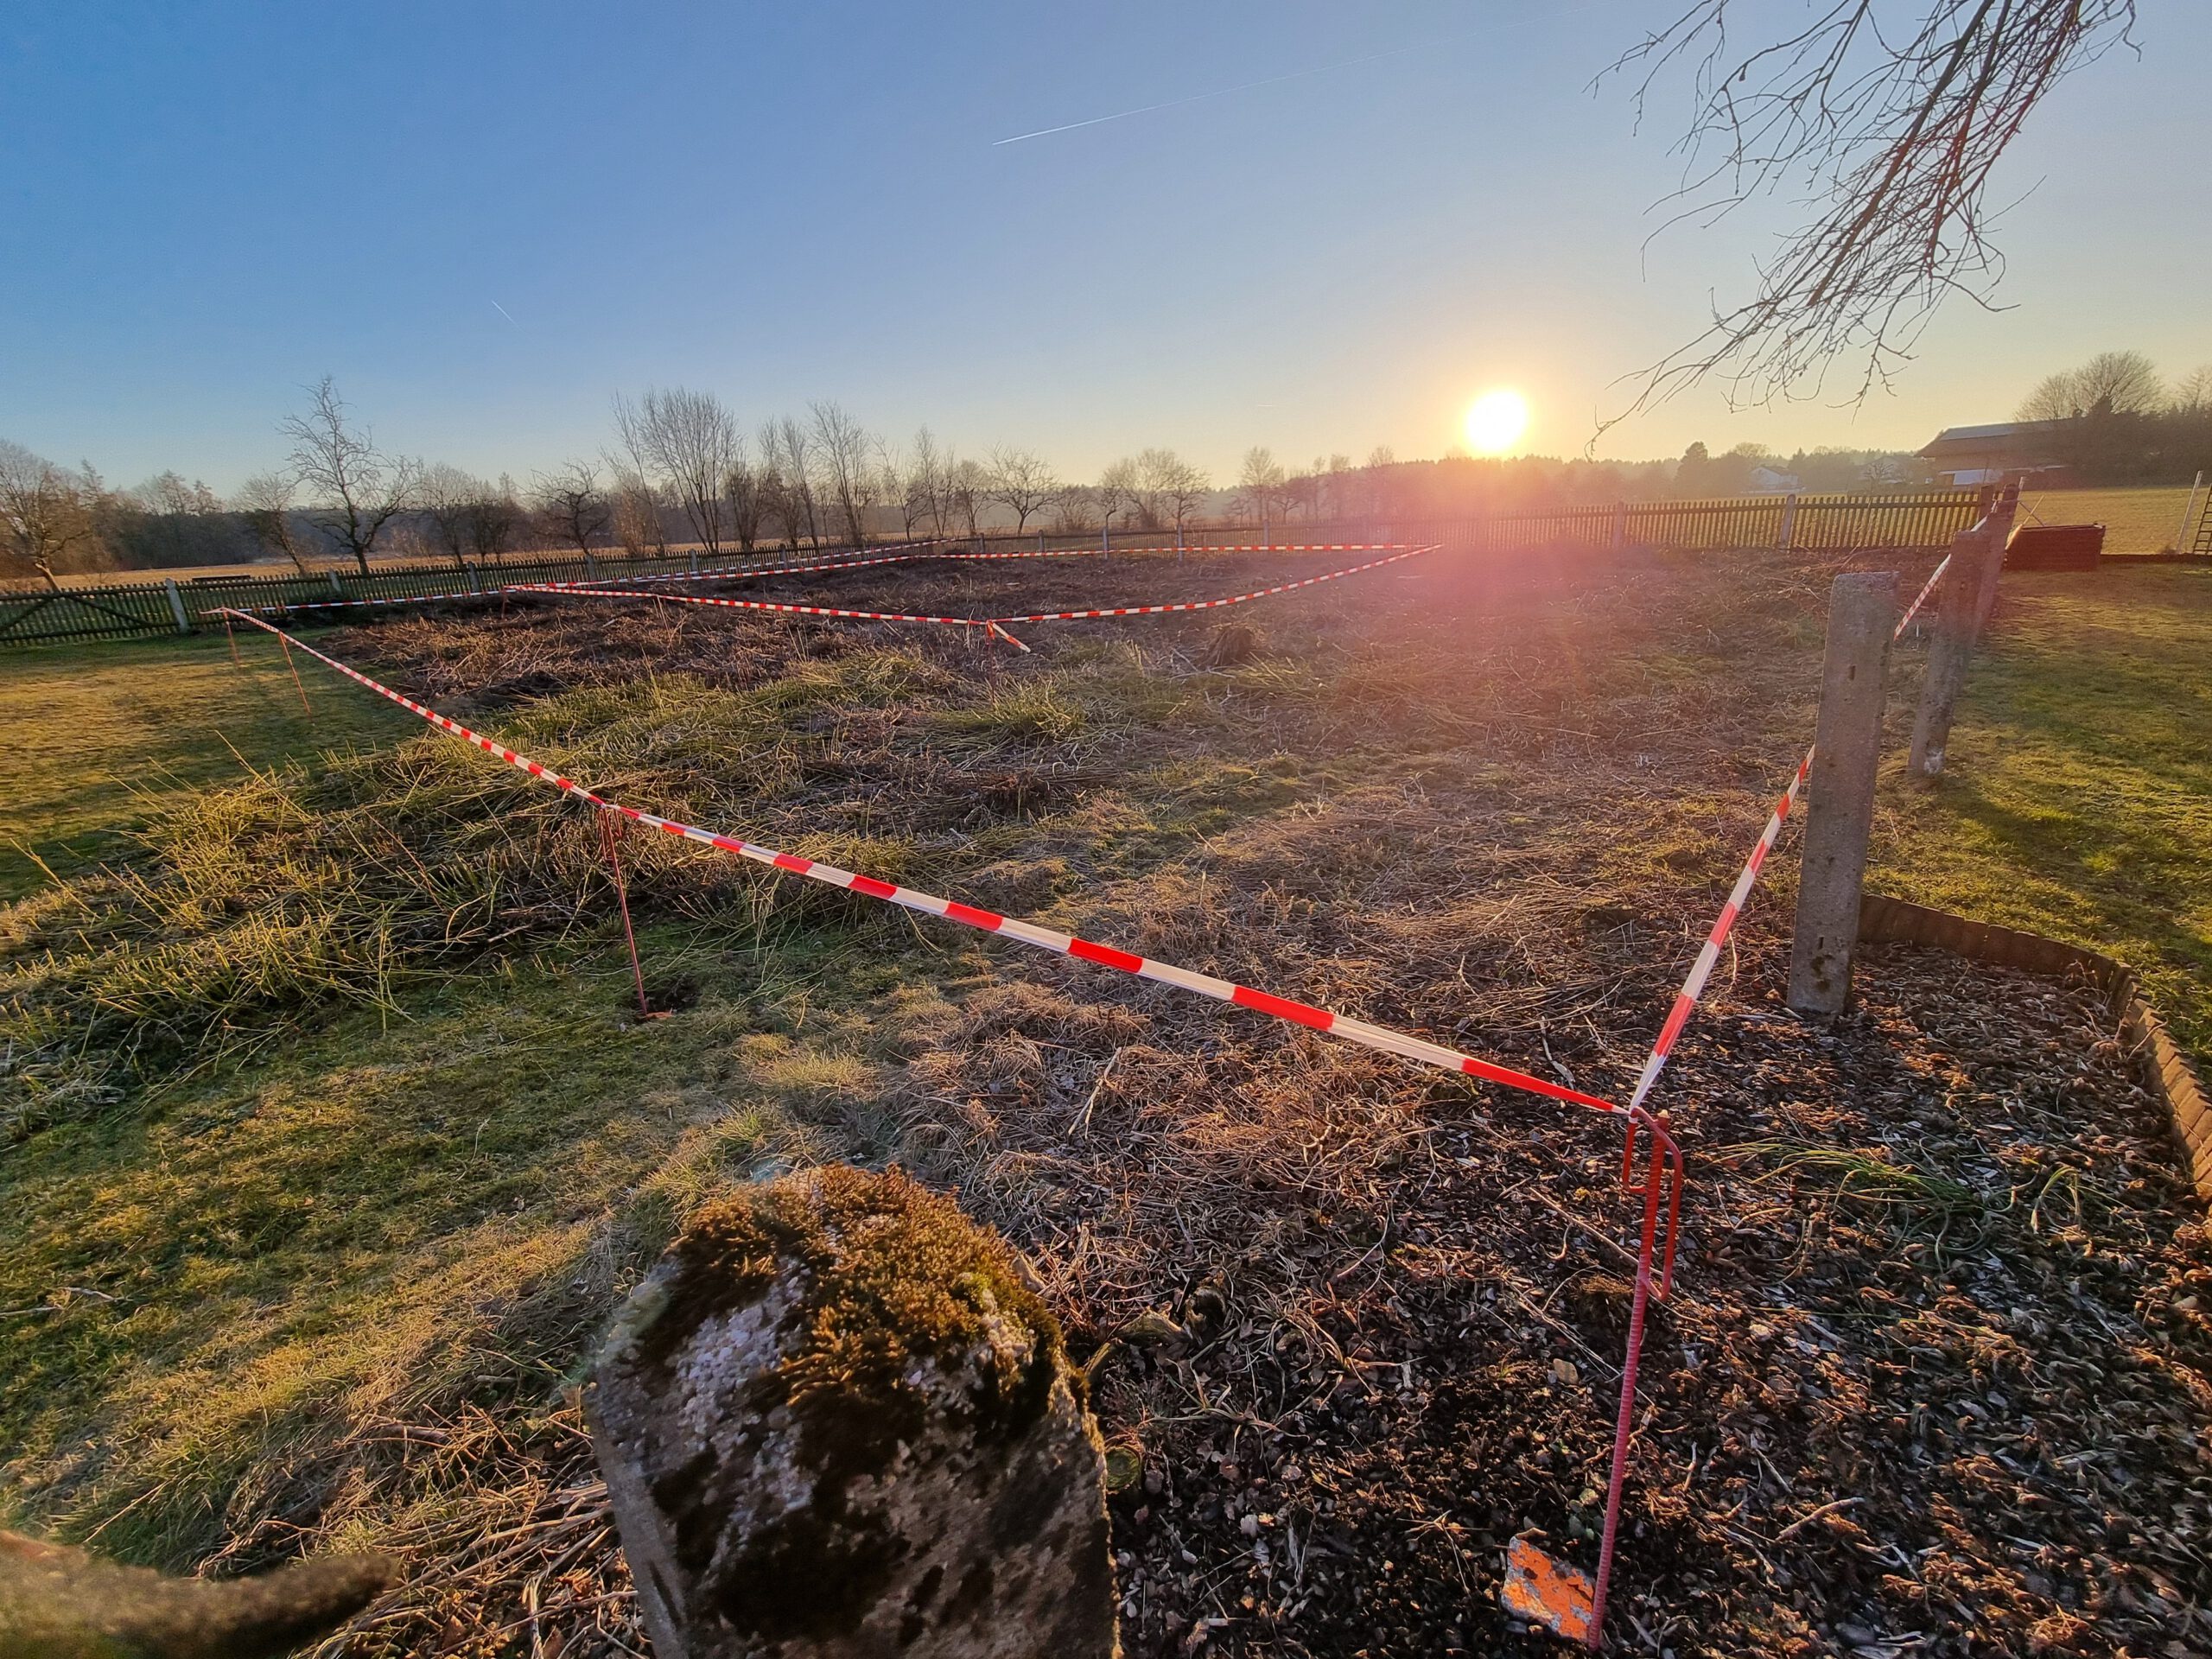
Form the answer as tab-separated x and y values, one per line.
890	1274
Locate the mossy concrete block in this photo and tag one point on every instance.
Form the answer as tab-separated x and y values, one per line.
836	1421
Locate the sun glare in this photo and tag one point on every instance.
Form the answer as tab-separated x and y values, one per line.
1495	420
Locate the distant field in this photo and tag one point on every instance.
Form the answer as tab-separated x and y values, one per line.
2135	521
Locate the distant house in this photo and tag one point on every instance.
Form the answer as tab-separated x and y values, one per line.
1767	481
1967	455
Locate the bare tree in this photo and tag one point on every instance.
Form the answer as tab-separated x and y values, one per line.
638	523
1259	484
1177	486
2193	391
265	503
572	503
356	488
2111	383
448	495
1117	494
1022	482
845	449
495	520
48	514
1893	133
790	452
923	489
967	492
687	442
745	491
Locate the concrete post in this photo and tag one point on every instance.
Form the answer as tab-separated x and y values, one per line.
1840	814
1999	529
1786	537
1974	553
694	561
924	1480
1620	526
176	606
335	587
591	565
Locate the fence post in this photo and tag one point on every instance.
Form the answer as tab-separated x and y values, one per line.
1847	746
335	585
1620	526
1785	539
176	606
591	565
2002	512
1978	556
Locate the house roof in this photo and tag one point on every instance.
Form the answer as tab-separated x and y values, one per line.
2015	440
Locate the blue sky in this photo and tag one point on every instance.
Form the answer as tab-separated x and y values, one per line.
207	206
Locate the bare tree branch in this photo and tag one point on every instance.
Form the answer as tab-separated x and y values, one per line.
1892	135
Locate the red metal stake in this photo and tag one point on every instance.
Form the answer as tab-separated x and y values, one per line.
294	667
607	832
230	634
1624	1426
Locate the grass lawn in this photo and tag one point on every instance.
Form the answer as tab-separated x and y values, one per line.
2135	521
97	733
2078	796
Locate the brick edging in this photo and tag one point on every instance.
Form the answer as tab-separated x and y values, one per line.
2165	1069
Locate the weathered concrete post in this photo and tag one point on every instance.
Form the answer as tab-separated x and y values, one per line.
1998	525
1620	526
1975	555
1785	539
836	1422
176	606
1839	812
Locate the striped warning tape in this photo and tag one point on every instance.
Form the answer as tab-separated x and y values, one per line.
724	574
1661	1190
1686	1000
1267	546
1215	604
1404	1045
763	605
897	553
1921	598
994	625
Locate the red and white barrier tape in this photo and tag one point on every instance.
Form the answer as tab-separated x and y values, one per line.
994	625
723	574
1417	1049
764	604
1686	1000
897	553
1661	1191
1215	604
1921	598
1267	546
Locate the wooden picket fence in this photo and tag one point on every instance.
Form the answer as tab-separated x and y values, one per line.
1914	521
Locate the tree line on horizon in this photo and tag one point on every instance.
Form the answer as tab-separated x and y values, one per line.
681	469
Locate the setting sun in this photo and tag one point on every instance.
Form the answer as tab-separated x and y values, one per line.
1495	420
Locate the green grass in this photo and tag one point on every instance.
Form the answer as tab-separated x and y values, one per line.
95	735
2077	798
2135	521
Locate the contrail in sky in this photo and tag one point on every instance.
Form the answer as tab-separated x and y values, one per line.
1271	80
504	312
1218	92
